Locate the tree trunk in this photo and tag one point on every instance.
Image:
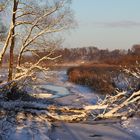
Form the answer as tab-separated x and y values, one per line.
2	53
12	43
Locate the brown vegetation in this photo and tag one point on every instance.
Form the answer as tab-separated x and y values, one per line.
97	77
101	77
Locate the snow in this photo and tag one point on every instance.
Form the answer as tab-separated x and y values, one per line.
132	125
27	126
125	82
24	127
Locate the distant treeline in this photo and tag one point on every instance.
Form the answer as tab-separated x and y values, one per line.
95	55
88	54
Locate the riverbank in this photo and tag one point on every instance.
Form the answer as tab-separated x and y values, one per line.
103	78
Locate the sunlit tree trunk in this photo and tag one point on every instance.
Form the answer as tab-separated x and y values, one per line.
12	43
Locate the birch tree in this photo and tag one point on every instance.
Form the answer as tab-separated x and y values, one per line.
33	22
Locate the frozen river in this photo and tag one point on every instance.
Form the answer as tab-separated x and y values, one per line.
57	84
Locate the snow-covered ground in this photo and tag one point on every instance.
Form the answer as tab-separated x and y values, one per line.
15	126
55	86
24	127
132	125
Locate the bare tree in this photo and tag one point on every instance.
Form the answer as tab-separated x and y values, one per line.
31	22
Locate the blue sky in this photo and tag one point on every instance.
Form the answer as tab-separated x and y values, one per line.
105	23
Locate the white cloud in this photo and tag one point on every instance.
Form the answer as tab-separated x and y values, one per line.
118	24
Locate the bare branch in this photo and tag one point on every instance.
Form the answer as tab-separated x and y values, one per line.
23	22
25	14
